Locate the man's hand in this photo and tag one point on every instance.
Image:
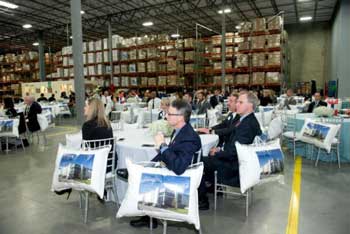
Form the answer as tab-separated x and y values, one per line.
159	139
205	130
213	151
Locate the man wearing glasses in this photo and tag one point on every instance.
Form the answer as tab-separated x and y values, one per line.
183	145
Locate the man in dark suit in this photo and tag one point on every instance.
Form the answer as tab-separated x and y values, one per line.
216	98
178	154
225	160
317	103
224	129
31	111
202	104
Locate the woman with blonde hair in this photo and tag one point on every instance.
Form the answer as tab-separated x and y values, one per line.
97	126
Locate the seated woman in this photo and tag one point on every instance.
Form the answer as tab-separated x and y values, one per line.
164	106
11	112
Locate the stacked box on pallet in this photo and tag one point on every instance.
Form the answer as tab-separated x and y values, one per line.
141	67
245	45
180	81
115	55
274	41
162	67
272	77
152	81
172	80
258	78
144	81
124	81
85	46
117	69
172	53
71	72
84	58
85	71
100	69
162	54
66	50
242	60
134	81
216	40
245	27
91	58
162	80
132	68
105	56
105	43
124	55
151	53
259	24
275	23
258	42
229	79
132	54
98	45
258	59
217	79
142	54
65	72
151	66
189	68
123	68
217	65
99	58
116	81
189	42
274	59
65	61
229	50
171	64
189	55
242	79
91	70
91	46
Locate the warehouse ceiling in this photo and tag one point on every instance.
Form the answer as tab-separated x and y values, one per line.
52	17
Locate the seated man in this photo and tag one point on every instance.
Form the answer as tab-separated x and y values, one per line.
317	103
42	98
178	154
225	160
289	100
202	104
224	129
31	111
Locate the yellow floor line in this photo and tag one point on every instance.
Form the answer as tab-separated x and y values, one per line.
293	217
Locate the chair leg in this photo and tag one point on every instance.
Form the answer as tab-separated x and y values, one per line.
150	225
294	149
247	203
22	144
165	226
45	139
338	156
215	188
318	155
7	145
86	208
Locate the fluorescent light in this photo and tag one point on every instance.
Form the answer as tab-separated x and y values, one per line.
175	35
305	18
8	5
82	12
227	10
71	37
27	26
147	24
238	27
303	0
35	43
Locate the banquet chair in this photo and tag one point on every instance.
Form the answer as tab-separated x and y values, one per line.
110	183
8	135
289	129
336	142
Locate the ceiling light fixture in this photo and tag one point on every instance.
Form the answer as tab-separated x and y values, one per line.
8	5
27	26
175	35
225	11
35	43
82	12
71	37
305	18
238	27
147	24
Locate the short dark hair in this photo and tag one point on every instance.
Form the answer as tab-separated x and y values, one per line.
183	107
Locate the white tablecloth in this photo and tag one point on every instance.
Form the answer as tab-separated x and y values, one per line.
131	147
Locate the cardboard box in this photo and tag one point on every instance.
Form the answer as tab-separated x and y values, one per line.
245	27
142	54
189	42
189	68
189	55
151	53
105	56
151	66
124	81
91	46
229	79
116	81
258	42
91	57
141	67
144	81
275	23
98	45
274	41
242	79
258	78
242	60
91	70
132	68
117	69
272	77
105	43
172	80
124	55
115	55
171	64
243	46
134	81
132	54
124	68
258	59
259	24
162	80
162	67
274	59
217	65
99	58
152	81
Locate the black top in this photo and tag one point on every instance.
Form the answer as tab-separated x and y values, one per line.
313	105
93	132
40	99
33	124
181	150
225	128
52	99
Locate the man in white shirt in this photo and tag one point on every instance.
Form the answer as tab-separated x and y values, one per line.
154	102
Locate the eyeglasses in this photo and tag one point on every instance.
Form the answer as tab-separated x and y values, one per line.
171	114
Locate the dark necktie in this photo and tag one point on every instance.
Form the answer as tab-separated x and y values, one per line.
238	123
153	103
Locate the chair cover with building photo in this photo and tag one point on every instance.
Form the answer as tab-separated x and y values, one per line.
9	131
83	170
45	120
160	193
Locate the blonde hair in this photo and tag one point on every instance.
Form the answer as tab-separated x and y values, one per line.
97	111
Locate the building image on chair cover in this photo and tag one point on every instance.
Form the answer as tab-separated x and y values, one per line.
316	131
271	161
164	192
76	168
6	126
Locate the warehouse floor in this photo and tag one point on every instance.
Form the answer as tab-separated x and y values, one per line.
28	206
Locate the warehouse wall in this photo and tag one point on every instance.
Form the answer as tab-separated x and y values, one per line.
309	45
340	49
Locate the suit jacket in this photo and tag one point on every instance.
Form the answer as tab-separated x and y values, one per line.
244	132
202	107
33	124
181	150
224	129
312	105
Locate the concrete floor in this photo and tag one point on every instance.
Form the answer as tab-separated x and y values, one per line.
28	206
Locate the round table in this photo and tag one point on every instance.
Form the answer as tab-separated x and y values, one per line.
131	148
344	145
